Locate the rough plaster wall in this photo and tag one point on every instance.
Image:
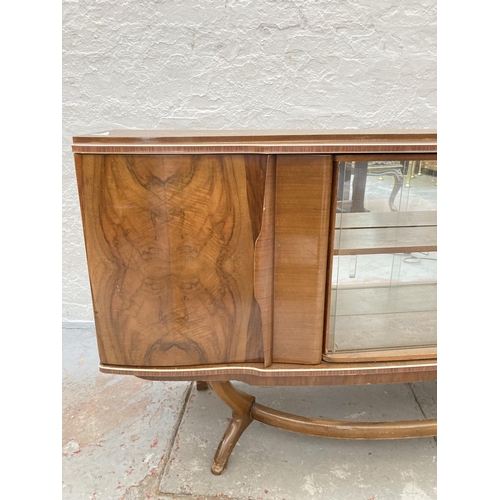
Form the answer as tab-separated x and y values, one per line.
221	64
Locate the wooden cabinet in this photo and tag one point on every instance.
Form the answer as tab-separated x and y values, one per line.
211	255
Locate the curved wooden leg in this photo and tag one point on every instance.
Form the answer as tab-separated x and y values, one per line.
241	404
245	409
201	385
342	429
235	429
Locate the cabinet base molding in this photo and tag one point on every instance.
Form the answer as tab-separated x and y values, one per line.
291	374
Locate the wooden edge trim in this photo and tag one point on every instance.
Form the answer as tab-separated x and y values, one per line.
344	429
417	353
235	371
240	136
340	148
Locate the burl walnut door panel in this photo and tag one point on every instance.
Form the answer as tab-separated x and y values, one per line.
303	198
170	245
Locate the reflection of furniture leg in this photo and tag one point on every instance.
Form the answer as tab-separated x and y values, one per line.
410	173
241	404
361	171
359	186
352	266
398	182
245	410
201	386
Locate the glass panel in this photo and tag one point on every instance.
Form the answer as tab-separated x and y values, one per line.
384	278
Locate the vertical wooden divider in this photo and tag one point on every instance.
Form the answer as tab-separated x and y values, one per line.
302	223
264	261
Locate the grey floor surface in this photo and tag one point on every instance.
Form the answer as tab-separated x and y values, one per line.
130	439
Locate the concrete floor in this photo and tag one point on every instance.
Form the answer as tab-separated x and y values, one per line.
130	439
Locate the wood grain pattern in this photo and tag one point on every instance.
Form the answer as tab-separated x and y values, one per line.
170	247
303	195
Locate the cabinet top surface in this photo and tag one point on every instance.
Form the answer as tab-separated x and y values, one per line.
256	141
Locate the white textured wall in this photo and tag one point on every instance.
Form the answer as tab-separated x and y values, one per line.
219	64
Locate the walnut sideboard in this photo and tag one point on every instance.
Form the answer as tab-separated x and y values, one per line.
268	257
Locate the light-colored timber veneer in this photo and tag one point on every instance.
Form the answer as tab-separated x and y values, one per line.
210	259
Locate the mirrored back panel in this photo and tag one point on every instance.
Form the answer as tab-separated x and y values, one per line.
384	269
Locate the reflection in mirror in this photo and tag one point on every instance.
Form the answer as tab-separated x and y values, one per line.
384	278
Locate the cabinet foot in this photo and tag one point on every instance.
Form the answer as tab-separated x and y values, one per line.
241	404
201	385
235	429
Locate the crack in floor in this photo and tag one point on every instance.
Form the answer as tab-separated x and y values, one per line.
132	492
174	434
410	385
